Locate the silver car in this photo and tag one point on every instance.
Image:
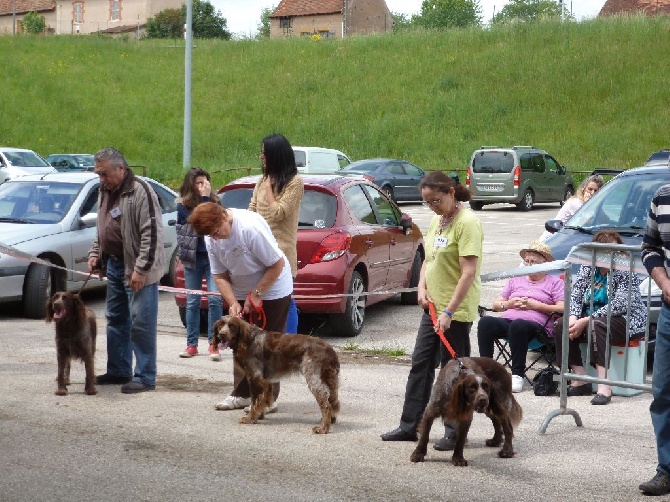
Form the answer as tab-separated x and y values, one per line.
53	217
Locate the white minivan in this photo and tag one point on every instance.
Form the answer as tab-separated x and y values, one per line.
313	159
19	162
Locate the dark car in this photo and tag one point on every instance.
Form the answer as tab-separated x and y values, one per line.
660	158
352	240
398	178
622	205
70	162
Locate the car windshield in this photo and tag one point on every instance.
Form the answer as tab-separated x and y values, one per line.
493	162
300	158
36	201
621	205
317	209
25	159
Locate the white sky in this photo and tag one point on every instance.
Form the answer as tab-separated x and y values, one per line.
243	16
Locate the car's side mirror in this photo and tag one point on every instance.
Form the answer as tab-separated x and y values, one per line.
88	220
553	226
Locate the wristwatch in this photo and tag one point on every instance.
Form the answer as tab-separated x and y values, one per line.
257	291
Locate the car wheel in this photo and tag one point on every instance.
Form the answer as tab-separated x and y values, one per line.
412	298
526	203
41	282
168	279
568	194
351	322
476	206
388	190
204	319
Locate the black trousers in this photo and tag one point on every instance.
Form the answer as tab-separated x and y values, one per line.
429	352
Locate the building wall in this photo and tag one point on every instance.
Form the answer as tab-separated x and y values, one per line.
368	16
96	15
300	25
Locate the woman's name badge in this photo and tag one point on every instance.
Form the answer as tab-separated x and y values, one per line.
440	242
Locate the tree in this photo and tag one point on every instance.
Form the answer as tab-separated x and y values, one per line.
401	22
441	14
264	24
33	23
207	22
168	23
528	10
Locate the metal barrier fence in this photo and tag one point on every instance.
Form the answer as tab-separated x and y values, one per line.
612	257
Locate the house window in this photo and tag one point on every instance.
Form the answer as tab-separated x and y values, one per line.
285	22
114	10
78	12
326	34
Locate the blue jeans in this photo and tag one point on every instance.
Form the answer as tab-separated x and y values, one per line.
193	278
660	389
292	321
132	320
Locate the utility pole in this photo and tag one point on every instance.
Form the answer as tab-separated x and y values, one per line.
187	84
13	17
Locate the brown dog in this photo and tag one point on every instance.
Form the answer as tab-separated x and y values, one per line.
75	338
466	386
266	356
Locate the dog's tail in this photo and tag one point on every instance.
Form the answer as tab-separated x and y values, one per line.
515	412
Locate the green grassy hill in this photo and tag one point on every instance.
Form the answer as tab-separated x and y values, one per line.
593	94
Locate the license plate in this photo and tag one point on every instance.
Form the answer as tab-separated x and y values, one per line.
491	188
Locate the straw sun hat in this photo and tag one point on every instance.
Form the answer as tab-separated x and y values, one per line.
537	247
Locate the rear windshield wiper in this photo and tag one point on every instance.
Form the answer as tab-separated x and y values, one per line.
15	220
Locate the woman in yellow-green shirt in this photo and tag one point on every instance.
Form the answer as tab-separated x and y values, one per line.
450	279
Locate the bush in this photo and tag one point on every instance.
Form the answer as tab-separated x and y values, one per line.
33	23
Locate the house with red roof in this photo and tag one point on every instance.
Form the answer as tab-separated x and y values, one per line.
330	18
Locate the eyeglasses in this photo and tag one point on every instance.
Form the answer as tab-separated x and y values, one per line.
434	202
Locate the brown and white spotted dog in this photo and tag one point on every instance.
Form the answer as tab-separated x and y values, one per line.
266	356
475	384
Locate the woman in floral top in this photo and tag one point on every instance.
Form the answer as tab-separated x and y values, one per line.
605	297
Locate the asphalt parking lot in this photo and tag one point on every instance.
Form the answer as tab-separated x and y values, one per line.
172	445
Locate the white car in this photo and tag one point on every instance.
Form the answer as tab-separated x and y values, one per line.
19	162
53	217
314	159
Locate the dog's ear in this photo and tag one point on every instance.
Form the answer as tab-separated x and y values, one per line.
216	338
458	406
239	334
79	308
50	310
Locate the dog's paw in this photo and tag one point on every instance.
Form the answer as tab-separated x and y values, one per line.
504	453
61	392
459	462
247	420
417	456
493	442
320	429
91	391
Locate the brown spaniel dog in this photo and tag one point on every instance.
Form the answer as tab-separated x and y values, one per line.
75	338
466	386
266	356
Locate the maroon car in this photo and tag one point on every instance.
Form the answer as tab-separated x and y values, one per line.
352	240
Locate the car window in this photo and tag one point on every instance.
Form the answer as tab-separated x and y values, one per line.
412	170
25	159
238	198
537	161
342	161
525	162
360	205
395	168
165	198
493	162
37	201
387	212
364	166
551	164
317	210
300	158
621	204
91	203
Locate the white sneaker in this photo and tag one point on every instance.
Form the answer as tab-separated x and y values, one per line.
268	410
232	403
517	383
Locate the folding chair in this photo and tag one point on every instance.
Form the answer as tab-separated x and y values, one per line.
542	346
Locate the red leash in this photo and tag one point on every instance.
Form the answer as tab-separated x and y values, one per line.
433	317
258	311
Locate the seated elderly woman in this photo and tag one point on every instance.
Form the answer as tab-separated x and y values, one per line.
614	295
526	304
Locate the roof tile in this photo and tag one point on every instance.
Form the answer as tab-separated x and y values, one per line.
288	8
25	6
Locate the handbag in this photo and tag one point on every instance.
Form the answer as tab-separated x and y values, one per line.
543	382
